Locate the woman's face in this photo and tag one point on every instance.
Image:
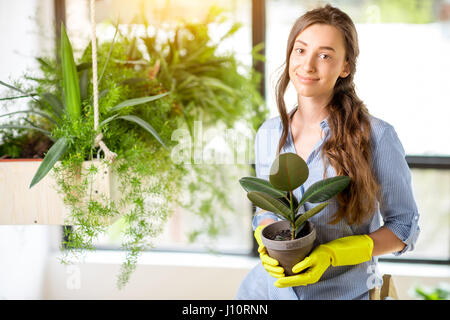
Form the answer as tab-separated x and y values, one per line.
317	60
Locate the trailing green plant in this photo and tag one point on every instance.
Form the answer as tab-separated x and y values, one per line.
287	173
143	163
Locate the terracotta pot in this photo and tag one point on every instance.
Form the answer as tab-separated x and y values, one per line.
290	252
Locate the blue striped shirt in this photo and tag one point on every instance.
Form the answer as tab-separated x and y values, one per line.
399	213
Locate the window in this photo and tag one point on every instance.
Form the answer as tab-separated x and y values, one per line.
237	237
432	189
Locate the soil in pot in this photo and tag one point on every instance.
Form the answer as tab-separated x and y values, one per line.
285	235
30	147
288	252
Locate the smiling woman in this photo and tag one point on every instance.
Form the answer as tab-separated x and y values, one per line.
314	67
332	130
389	86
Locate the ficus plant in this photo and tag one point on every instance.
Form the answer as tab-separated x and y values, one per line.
288	172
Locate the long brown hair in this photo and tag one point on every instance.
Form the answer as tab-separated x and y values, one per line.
348	148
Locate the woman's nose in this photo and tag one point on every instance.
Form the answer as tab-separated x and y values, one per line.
308	64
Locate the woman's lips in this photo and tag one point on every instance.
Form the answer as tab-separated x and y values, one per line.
307	79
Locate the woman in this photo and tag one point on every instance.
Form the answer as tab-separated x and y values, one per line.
331	129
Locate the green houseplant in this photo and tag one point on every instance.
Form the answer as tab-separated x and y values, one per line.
292	238
69	123
70	110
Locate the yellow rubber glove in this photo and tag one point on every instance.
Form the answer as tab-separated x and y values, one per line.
270	264
340	252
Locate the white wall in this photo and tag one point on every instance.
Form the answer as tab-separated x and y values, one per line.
167	276
24	252
186	276
26	32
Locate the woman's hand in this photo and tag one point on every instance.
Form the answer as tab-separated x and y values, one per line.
270	264
318	262
340	252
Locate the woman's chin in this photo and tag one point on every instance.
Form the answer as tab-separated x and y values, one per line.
307	92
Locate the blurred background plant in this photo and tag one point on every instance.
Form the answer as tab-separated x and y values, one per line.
439	293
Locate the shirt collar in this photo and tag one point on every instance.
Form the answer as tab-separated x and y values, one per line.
323	124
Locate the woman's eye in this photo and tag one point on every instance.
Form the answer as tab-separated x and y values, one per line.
322	55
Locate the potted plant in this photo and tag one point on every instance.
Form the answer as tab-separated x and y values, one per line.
95	193
290	240
63	119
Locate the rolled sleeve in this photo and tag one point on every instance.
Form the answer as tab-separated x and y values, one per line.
265	142
260	216
398	207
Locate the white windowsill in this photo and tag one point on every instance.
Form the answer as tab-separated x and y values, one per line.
207	260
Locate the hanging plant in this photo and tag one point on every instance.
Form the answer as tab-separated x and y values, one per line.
136	180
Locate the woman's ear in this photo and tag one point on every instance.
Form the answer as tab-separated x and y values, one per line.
345	71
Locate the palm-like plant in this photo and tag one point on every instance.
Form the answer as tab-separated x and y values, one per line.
71	108
201	78
287	173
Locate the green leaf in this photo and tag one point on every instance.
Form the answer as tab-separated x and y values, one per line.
288	172
266	202
301	219
14	98
144	125
234	28
52	156
325	189
13	88
54	102
216	84
71	86
132	81
216	105
108	120
31	95
44	63
137	101
42	114
84	83
256	184
109	54
84	66
9	126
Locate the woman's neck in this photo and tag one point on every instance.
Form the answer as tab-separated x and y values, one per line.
311	111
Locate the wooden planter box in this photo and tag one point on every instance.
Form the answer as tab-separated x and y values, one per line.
41	204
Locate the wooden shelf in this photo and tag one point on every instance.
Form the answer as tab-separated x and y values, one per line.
41	204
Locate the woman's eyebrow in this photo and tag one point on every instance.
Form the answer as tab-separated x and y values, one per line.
322	48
